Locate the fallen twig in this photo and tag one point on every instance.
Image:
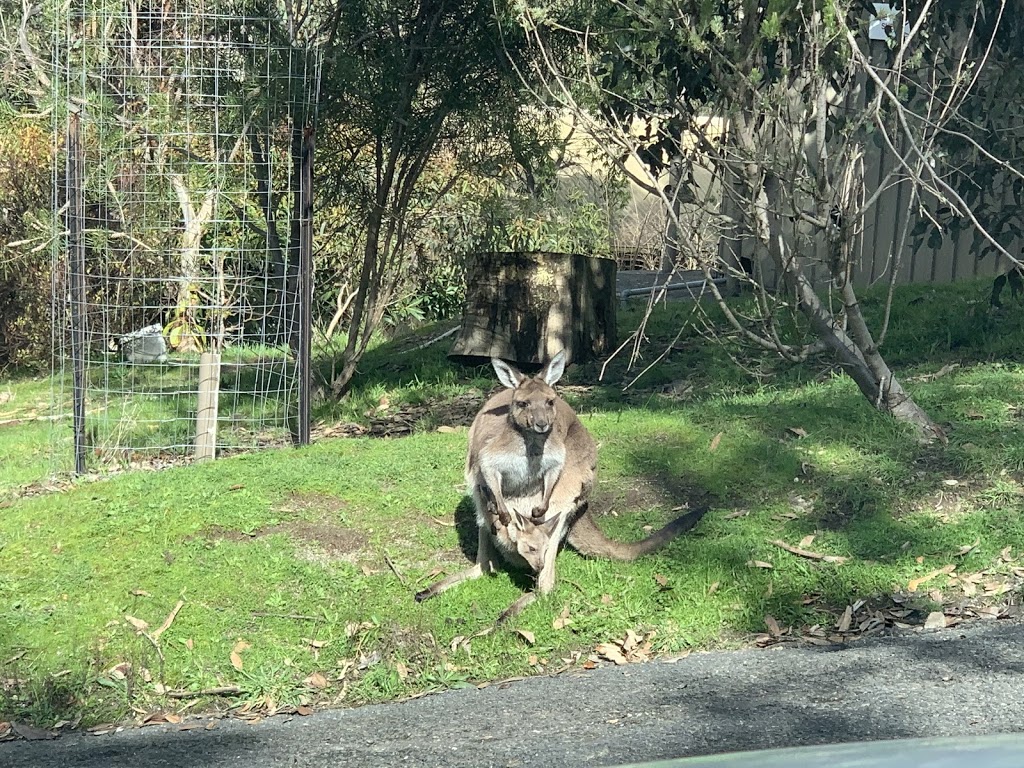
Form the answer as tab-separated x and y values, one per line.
436	339
156	645
297	616
225	690
394	570
947	368
810	555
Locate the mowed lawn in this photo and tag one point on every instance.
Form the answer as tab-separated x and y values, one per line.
284	579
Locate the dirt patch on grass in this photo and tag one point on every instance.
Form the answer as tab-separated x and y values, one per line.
334	541
317	541
320	539
629	496
404	420
299	504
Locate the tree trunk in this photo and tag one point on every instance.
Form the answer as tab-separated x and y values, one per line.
855	350
276	270
194	225
525	307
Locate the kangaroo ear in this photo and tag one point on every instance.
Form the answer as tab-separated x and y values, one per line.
521	521
549	526
507	375
553	371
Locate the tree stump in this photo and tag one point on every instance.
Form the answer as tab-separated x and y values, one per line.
525	307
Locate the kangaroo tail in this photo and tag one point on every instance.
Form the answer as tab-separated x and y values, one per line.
587	539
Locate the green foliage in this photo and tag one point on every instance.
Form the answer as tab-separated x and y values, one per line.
980	152
576	225
26	324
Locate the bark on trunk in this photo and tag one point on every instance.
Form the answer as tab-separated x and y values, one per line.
525	307
855	350
194	224
276	272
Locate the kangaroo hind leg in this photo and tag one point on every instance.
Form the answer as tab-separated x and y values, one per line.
486	564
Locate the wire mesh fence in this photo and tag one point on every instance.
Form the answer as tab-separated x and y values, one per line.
183	224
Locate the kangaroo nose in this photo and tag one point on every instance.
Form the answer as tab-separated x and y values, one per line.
541	427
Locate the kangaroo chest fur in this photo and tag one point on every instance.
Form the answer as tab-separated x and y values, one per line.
522	461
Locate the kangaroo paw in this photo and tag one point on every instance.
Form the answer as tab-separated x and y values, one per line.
545	582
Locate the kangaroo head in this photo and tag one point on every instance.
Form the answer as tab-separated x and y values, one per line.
533	399
531	538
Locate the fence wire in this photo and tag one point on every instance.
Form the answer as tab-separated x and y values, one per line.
190	121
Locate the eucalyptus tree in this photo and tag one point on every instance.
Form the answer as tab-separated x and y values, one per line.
983	145
782	102
417	88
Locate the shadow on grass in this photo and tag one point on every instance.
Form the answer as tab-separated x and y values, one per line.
466	530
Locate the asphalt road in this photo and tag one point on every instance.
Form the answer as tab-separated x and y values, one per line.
955	682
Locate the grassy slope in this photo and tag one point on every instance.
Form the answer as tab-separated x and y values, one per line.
304	561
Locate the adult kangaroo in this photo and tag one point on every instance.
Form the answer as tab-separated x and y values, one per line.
530	469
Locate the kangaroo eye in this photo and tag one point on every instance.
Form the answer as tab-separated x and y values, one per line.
551	402
521	403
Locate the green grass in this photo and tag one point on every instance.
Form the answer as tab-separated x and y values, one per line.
305	561
28	434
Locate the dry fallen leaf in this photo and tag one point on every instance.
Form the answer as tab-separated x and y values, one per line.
562	620
797	431
662	580
235	655
935	620
843	625
606	599
316	680
139	624
758	564
527	635
611	652
159	716
631	642
402	670
446	429
913	584
714	443
968	547
713	588
806	541
773	625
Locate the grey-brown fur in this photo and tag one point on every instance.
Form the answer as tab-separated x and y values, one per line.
530	469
